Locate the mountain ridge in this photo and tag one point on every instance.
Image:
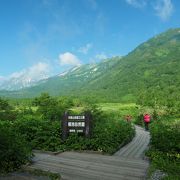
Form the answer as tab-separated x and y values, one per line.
153	65
68	80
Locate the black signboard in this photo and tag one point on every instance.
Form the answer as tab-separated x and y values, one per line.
76	124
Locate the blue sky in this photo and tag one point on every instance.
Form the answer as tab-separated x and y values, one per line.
45	37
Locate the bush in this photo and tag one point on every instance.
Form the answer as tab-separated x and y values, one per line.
139	120
49	107
14	150
165	137
166	162
165	147
41	134
6	111
108	133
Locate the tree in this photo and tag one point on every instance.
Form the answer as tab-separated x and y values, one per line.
4	105
50	108
164	98
14	150
6	111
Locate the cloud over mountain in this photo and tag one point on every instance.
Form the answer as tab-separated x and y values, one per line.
68	58
35	72
26	77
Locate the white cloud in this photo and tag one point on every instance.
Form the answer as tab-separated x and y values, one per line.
164	9
36	72
85	49
137	3
68	59
2	79
101	56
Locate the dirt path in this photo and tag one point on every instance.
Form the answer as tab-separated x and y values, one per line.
127	163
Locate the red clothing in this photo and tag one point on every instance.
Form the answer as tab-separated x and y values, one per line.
147	118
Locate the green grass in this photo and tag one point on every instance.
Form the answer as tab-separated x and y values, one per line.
120	109
77	110
115	106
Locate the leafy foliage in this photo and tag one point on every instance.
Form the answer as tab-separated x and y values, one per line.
41	134
6	110
14	150
108	133
165	147
50	108
165	137
4	105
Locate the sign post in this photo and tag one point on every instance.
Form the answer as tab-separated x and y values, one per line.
76	124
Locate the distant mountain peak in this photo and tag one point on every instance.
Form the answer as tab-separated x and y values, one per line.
63	73
70	70
19	82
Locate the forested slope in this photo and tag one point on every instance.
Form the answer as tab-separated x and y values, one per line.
153	68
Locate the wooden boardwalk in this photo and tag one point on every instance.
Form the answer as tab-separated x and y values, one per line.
136	148
127	163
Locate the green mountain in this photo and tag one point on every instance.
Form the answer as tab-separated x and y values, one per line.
68	83
152	67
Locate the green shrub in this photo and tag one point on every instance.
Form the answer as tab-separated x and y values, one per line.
108	133
139	120
6	111
41	134
48	136
166	162
165	147
14	150
50	108
27	126
165	137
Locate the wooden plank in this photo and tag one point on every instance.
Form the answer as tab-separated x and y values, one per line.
105	159
97	166
76	171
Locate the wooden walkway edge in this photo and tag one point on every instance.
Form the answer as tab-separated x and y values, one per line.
126	164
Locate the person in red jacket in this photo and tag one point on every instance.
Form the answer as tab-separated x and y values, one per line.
147	119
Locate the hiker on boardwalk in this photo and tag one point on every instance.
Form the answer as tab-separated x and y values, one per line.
147	119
